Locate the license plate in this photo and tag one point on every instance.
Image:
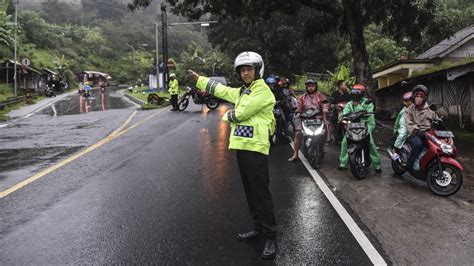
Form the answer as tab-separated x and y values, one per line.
444	134
312	122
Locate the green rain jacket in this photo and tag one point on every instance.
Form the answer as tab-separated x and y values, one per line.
173	87
370	120
252	119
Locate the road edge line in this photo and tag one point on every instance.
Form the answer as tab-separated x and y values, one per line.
358	234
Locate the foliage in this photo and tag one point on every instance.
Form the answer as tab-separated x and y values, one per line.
6	29
212	63
380	49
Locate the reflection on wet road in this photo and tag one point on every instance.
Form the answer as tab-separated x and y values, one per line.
98	101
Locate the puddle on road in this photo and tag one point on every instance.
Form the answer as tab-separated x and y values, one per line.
76	104
14	159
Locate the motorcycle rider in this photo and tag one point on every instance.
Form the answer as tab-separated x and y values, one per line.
399	127
173	90
311	99
418	117
338	96
282	98
251	121
358	103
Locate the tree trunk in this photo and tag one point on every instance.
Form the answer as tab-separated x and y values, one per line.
354	27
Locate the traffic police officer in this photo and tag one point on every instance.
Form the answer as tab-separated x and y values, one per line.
251	122
173	90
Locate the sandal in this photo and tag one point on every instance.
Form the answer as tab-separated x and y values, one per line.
293	159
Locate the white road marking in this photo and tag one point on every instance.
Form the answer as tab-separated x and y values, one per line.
3	125
358	234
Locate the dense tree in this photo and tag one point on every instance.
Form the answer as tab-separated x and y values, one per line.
399	18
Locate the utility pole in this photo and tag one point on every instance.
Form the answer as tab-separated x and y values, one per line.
15	47
165	46
157	57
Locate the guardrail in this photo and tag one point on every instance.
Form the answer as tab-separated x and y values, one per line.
12	100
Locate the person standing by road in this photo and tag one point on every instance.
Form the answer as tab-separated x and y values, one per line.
251	122
339	96
173	90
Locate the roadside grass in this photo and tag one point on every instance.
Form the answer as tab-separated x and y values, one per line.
140	94
6	91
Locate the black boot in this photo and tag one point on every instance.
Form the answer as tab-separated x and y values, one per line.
270	249
248	235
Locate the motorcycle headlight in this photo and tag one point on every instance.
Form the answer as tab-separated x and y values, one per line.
319	130
447	149
307	131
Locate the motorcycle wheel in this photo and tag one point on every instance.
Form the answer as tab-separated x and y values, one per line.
358	171
212	104
315	160
448	184
183	104
397	169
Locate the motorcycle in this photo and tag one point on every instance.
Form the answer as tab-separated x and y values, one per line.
358	143
314	136
198	98
437	161
49	91
279	124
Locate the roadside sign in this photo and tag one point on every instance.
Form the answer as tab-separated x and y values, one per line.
25	61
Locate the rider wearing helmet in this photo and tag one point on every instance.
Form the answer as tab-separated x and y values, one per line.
251	122
358	103
311	99
173	90
282	101
418	117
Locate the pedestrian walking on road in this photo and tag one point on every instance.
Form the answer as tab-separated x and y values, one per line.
173	90
251	122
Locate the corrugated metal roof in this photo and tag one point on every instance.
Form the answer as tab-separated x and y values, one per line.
447	43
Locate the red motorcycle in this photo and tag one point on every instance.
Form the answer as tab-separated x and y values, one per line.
438	164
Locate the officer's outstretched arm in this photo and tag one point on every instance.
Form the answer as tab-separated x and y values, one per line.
216	89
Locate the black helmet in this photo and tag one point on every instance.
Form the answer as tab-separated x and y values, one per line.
421	88
308	81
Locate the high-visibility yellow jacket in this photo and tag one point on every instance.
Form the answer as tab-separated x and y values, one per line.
252	119
173	86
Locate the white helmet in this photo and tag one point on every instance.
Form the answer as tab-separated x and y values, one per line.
172	75
250	59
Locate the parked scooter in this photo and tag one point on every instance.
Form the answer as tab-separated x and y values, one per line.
198	97
358	143
437	163
49	91
314	136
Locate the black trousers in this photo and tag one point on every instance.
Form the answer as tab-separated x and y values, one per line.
174	101
253	168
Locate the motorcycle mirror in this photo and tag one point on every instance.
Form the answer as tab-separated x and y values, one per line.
433	107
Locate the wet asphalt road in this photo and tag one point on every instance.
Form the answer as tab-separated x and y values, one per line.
167	191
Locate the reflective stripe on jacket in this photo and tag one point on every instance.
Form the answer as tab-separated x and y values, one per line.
252	119
173	87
